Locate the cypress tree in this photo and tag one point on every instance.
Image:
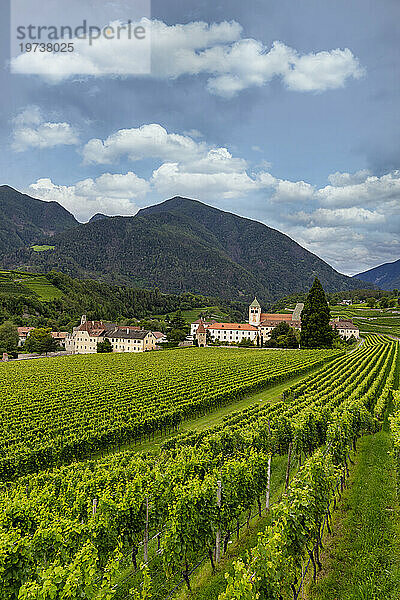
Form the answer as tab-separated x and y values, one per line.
315	329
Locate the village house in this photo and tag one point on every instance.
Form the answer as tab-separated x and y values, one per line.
23	333
345	328
88	334
195	324
58	336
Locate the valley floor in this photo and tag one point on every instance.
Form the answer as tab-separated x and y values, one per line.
361	560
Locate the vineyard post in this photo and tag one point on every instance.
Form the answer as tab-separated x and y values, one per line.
218	537
94	506
146	533
288	466
267	494
268	484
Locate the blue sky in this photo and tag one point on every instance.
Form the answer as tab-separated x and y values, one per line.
282	111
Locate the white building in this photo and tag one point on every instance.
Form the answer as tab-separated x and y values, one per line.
232	332
346	329
194	326
84	339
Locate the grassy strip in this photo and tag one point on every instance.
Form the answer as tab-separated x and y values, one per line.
362	557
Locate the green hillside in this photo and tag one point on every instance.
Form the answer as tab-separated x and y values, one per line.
183	245
27	284
25	220
212	312
371	320
386	276
56	300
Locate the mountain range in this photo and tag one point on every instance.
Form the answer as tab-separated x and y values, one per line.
386	276
179	245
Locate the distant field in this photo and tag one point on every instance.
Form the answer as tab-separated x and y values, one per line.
192	315
373	320
42	248
43	288
16	283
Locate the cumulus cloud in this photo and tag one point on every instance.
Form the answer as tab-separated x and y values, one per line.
286	191
148	141
353	224
112	194
342	179
172	179
32	131
219	51
343	216
371	190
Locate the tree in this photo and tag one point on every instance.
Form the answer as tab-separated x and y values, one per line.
41	341
384	302
283	336
8	337
176	335
316	331
178	321
105	346
177	328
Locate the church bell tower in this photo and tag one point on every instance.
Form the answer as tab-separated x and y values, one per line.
255	313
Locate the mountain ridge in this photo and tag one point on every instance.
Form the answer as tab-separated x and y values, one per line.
185	245
25	220
385	276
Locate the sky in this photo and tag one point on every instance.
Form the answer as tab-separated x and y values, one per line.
280	111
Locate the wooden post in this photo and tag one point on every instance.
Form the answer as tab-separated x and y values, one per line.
146	534
94	506
218	537
288	467
267	494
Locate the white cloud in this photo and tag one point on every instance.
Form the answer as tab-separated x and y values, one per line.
148	141
231	63
342	179
342	216
375	191
353	224
286	191
112	194
193	133
32	131
317	72
171	179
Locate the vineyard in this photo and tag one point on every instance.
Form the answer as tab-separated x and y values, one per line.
70	408
16	283
80	530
